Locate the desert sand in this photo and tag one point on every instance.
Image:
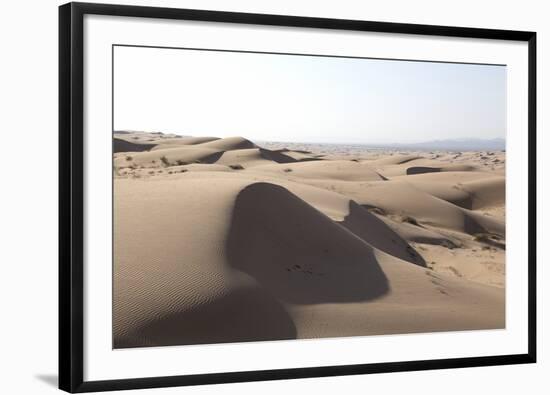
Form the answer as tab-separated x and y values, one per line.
229	240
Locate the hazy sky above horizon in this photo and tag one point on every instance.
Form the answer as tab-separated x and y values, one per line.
305	99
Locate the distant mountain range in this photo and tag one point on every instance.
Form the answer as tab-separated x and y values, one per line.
456	145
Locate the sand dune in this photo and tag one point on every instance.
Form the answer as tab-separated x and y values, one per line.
422	166
471	193
253	157
324	169
170	142
230	143
396	160
222	240
170	156
398	198
121	145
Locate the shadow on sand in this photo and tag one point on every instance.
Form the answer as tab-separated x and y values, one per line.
375	232
296	253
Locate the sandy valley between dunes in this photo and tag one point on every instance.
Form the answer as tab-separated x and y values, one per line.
224	240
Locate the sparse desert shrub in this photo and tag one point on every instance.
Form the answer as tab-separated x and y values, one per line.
152	172
448	244
236	167
482	237
491	240
287	170
181	162
129	158
410	220
376	210
183	170
164	160
486	237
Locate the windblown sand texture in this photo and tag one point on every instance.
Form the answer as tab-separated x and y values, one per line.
224	240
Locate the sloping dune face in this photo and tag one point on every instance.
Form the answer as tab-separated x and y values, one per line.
221	240
300	255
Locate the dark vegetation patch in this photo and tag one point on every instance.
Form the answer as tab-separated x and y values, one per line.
410	220
449	244
164	160
376	210
490	239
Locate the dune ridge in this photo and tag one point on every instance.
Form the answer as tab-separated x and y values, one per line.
223	240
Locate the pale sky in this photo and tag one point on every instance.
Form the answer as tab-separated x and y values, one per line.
305	99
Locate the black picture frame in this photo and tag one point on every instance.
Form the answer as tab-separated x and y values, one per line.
71	181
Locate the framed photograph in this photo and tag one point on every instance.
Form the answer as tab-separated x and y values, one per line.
253	197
